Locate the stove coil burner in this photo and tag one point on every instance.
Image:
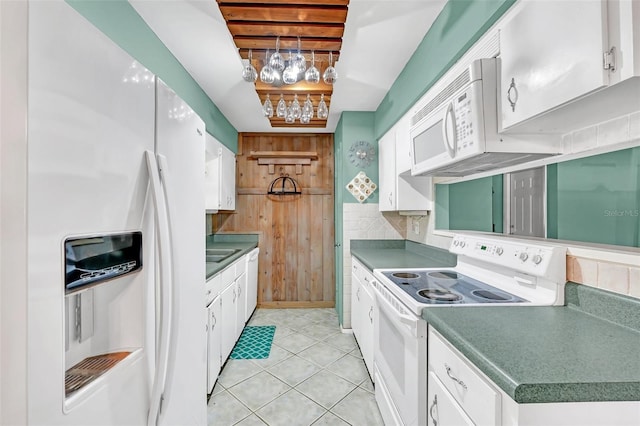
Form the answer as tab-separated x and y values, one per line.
405	275
439	295
443	275
490	295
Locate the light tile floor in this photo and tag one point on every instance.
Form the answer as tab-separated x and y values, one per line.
314	375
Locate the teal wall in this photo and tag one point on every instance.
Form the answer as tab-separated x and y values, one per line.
352	127
474	205
460	24
120	22
596	199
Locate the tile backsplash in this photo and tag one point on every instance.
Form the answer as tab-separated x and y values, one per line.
365	222
616	277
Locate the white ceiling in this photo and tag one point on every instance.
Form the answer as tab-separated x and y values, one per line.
379	38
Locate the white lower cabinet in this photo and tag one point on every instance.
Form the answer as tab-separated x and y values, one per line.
227	296
362	311
460	394
252	282
471	392
443	408
241	300
228	318
214	343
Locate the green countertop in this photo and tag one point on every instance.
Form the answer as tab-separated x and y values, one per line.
552	353
383	254
243	242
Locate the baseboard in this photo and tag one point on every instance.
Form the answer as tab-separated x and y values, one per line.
298	304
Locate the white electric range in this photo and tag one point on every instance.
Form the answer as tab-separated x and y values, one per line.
491	271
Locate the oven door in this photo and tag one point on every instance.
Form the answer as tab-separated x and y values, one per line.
400	361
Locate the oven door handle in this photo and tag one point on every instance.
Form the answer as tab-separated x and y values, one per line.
410	321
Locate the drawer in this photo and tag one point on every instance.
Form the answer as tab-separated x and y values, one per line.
212	288
471	391
443	408
361	271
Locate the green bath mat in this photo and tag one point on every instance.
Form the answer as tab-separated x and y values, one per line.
254	343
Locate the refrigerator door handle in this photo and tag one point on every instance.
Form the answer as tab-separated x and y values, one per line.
165	275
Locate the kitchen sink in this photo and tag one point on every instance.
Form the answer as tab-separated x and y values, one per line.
218	255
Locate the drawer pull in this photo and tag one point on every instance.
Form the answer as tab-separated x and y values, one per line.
454	378
433	406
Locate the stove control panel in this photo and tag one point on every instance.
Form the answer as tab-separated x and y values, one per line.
529	257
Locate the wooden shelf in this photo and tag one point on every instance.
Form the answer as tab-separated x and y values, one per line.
271	158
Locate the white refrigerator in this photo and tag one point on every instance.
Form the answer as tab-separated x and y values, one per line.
111	151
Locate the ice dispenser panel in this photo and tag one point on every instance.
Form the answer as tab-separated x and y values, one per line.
91	260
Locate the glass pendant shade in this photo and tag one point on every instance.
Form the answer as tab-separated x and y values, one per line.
267	107
323	111
290	74
281	109
299	61
266	74
277	61
312	75
330	74
295	108
249	73
289	117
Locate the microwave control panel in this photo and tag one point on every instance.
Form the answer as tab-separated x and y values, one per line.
464	121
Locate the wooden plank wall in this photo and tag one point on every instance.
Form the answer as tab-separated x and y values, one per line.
296	263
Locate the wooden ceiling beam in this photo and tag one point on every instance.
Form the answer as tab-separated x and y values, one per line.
301	86
322	58
286	45
287	2
283	29
283	13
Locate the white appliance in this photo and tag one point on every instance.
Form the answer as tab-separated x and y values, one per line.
456	132
115	159
490	271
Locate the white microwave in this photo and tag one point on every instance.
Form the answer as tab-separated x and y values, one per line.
456	132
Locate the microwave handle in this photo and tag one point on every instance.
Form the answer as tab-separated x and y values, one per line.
451	147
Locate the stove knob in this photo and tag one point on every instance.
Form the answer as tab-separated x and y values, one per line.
455	243
524	256
537	259
462	244
499	251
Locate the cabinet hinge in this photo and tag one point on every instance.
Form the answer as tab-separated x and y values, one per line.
609	59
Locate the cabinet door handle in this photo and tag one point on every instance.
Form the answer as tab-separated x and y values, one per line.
358	294
371	314
234	295
390	198
454	378
215	321
434	405
512	91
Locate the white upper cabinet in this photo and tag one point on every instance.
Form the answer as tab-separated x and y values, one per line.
220	176
399	191
568	64
551	53
387	171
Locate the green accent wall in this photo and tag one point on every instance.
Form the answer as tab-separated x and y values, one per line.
119	21
352	127
596	199
356	126
474	205
458	26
